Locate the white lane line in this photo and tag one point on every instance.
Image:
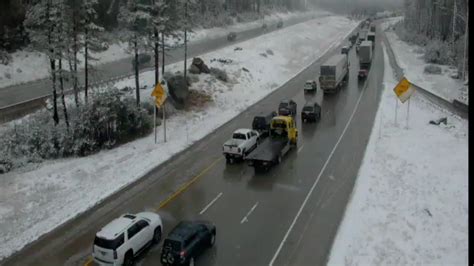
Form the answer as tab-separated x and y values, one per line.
315	183
245	219
300	148
210	203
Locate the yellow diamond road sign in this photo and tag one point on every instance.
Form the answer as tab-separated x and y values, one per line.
403	90
159	94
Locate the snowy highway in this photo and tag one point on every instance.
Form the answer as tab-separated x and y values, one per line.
288	216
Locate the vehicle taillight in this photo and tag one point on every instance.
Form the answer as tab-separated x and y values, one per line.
182	253
115	254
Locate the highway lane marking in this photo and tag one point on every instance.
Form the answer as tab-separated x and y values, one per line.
88	261
300	149
315	182
245	219
188	184
210	204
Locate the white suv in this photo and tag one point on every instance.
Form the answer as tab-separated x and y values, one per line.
120	241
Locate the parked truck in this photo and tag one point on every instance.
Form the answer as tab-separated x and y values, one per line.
365	58
283	136
333	73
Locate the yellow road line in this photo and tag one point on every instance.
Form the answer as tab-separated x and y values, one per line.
188	184
88	261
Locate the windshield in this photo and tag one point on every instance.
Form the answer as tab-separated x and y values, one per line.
109	244
279	124
308	108
239	136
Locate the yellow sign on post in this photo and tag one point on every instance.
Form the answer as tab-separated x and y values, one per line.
403	90
159	94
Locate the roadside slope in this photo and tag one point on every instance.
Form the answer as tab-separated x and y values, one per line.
409	204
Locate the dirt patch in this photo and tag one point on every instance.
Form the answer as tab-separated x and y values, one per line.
198	100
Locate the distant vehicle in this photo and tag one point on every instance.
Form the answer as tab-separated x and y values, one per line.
311	112
243	141
124	238
187	241
365	54
345	49
261	123
287	108
363	35
280	24
372	28
363	73
142	59
365	59
371	37
310	86
353	38
231	36
283	136
333	73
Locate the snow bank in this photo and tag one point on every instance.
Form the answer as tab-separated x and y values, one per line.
390	22
35	201
411	60
409	205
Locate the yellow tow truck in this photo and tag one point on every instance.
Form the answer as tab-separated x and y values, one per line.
283	137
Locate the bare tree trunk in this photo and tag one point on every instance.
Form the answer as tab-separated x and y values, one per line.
55	96
162	54
61	86
75	51
157	55
86	64
466	44
137	82
185	38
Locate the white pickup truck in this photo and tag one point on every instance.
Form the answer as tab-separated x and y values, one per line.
243	141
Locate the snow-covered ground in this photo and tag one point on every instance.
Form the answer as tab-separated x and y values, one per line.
390	22
35	201
409	205
410	59
27	66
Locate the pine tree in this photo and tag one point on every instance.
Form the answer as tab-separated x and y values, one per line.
135	17
92	39
40	22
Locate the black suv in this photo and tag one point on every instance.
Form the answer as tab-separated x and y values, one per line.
287	108
187	241
311	112
261	123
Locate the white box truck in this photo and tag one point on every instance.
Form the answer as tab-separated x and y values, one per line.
333	73
365	58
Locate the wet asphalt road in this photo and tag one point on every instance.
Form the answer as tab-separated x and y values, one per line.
252	212
19	93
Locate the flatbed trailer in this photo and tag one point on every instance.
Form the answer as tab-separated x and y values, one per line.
269	153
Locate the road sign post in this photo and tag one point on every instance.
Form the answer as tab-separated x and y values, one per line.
160	98
404	90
